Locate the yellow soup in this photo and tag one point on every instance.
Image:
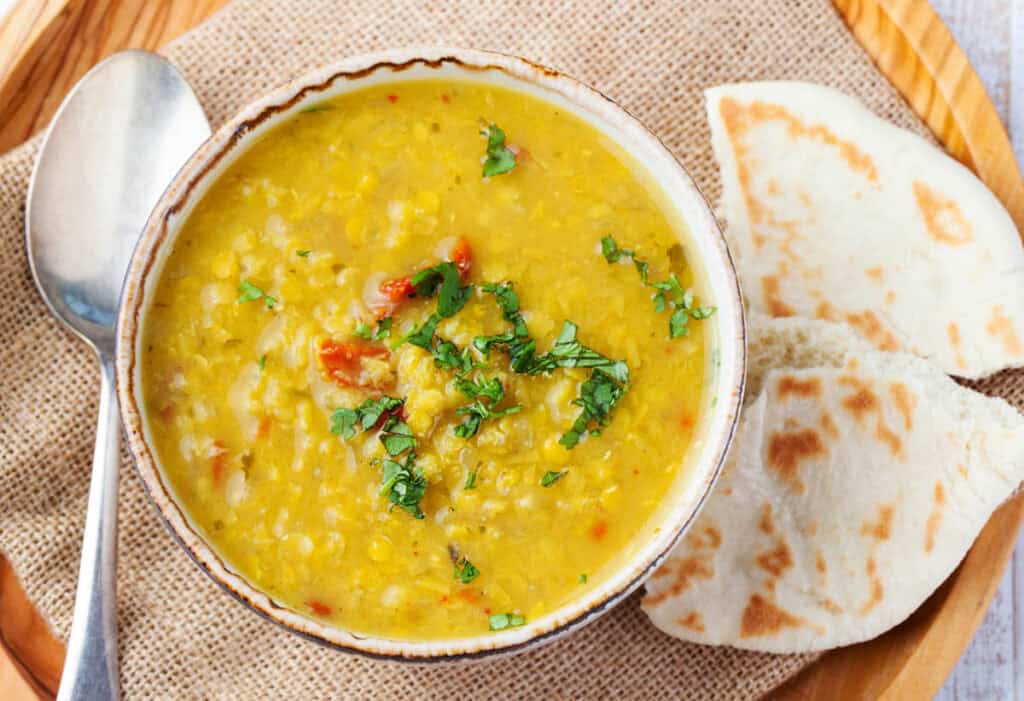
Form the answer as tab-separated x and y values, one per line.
315	375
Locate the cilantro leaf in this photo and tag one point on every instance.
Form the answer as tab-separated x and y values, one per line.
343	422
262	362
250	292
347	422
471	480
677	323
448	356
500	158
303	253
598	396
465	571
397	438
452	296
404	485
423	335
363	331
479	390
383	330
570	353
551	477
670	293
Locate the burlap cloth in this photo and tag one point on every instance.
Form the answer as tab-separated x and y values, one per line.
181	636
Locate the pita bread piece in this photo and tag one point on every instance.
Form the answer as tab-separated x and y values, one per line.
853	489
836	214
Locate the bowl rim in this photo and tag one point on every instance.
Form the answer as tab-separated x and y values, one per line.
165	222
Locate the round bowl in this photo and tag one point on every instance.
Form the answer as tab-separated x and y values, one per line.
675	191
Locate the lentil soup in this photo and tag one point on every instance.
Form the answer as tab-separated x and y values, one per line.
425	360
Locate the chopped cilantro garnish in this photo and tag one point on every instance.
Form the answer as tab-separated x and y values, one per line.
397	437
347	422
479	390
251	292
670	293
583	578
465	571
404	484
570	353
262	362
500	158
500	621
304	253
383	330
608	379
598	395
422	335
317	108
566	353
550	477
446	354
471	479
452	295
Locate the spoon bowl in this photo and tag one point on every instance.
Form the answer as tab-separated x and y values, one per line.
114	145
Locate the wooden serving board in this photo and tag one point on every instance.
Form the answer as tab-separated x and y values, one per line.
46	45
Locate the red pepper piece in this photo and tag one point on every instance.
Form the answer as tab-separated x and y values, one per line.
342	361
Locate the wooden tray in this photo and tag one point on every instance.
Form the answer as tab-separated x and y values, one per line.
46	45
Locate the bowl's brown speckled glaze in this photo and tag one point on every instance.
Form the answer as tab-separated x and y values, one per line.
678	195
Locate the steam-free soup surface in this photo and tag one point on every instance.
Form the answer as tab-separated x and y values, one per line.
416	489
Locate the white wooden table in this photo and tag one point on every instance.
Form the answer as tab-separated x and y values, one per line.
991	33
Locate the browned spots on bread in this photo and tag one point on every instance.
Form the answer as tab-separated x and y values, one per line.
714	537
905	402
765	525
831	606
761	617
890	297
683	570
962	470
954	340
828	424
776	561
772	187
931	526
877	590
891	440
693	620
881	529
776	307
738	119
825	312
787	450
819	564
875	273
943	220
870	327
790	385
863	401
1001	326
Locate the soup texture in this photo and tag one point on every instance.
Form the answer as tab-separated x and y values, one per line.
425	360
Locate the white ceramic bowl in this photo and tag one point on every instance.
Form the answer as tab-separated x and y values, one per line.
677	194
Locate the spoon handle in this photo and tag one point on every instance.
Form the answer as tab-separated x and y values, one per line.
90	668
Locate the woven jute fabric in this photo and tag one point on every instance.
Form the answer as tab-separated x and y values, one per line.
181	636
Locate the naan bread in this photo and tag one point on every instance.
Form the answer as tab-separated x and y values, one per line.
833	213
856	483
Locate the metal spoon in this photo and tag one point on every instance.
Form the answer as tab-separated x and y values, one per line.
115	144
